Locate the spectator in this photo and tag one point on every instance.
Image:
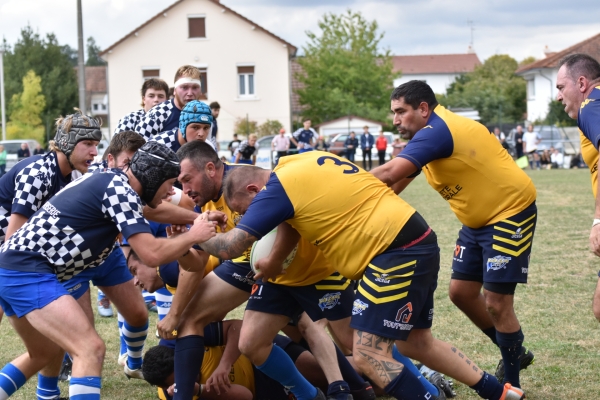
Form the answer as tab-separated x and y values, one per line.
545	159
351	144
366	143
215	108
501	138
2	160
23	152
280	144
398	146
519	142
381	146
304	139
321	144
531	140
246	151
38	150
577	162
233	145
556	158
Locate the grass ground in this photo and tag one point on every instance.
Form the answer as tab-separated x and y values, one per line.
554	308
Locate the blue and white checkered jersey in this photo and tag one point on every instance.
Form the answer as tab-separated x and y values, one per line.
130	121
162	117
76	229
168	138
28	185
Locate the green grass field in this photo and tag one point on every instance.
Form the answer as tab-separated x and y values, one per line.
554	308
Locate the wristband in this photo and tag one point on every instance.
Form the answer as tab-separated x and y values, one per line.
596	222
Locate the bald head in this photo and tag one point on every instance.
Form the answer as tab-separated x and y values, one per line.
241	186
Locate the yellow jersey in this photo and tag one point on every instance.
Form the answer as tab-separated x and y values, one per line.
588	122
241	371
470	169
344	211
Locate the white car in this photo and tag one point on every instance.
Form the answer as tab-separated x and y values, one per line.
13	146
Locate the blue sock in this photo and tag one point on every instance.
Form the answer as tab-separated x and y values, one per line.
511	345
355	382
47	387
85	388
408	364
488	387
100	295
407	386
189	353
491	333
123	347
164	298
134	339
11	379
338	387
148	297
279	366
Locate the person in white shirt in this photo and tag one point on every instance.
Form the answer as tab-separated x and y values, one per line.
556	158
280	144
531	140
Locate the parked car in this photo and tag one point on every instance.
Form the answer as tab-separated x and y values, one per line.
13	146
336	146
552	136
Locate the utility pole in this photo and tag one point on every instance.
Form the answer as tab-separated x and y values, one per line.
471	24
2	93
80	58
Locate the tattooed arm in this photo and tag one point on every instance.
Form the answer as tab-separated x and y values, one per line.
229	245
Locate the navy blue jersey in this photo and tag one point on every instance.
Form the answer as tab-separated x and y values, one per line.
305	136
246	151
169	273
130	121
28	185
589	117
76	229
169	138
162	117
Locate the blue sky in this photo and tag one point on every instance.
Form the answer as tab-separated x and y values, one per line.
518	28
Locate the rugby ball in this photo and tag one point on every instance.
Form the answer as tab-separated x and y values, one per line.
262	248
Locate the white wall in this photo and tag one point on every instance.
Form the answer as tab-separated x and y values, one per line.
344	126
438	82
544	89
230	41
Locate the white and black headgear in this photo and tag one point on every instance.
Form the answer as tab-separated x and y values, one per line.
82	128
152	165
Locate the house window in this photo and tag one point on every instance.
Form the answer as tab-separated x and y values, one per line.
531	89
196	27
246	81
203	83
150	73
95	106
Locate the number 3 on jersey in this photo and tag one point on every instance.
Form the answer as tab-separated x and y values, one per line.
336	161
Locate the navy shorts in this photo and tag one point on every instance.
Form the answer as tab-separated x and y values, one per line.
330	298
497	253
23	292
395	294
112	272
235	274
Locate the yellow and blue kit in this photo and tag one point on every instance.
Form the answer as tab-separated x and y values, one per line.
588	122
362	228
492	197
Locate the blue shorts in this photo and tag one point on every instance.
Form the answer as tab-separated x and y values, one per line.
243	161
23	292
303	150
330	298
112	272
497	253
395	294
235	274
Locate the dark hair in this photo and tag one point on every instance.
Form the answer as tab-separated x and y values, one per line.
155	83
580	64
158	364
214	106
124	141
132	256
199	153
414	93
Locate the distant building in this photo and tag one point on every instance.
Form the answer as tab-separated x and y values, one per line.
541	76
437	70
347	124
243	66
96	97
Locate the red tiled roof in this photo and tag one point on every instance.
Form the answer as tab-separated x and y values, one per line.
589	46
291	48
95	79
436	63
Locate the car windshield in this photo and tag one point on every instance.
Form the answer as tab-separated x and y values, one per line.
11	148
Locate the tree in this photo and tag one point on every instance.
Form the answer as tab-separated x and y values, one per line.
244	127
269	127
93	59
52	63
344	71
25	110
493	89
557	115
527	61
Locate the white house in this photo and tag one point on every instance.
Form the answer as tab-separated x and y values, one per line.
348	124
541	76
437	70
244	67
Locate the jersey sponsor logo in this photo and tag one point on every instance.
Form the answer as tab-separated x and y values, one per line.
458	253
586	102
517	234
498	262
358	307
594	169
449	192
50	209
74	288
430	317
397	325
329	301
243	279
382	278
524	270
403	315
